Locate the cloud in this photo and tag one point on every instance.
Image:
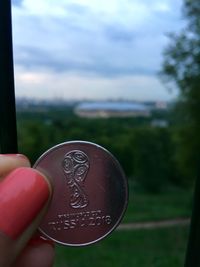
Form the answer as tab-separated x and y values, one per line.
117	33
71	86
113	50
35	59
102	39
17	3
77	9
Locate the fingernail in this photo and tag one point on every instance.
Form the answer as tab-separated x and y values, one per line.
38	239
14	155
23	193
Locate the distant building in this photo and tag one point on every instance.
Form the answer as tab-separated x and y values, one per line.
111	109
161	105
159	123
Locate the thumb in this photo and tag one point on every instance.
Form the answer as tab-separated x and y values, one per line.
24	197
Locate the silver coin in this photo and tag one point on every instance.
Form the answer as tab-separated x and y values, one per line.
90	193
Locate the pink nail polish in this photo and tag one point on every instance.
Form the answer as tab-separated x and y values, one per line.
23	193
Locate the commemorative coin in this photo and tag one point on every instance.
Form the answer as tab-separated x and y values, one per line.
90	193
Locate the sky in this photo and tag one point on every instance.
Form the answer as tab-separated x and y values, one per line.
92	49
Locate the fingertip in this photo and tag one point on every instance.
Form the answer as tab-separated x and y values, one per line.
9	162
24	194
20	158
37	255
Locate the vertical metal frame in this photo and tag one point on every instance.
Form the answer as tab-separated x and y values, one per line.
8	129
192	258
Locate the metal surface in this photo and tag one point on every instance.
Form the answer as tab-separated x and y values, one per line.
90	193
8	132
192	258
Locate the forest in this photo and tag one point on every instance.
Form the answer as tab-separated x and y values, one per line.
148	154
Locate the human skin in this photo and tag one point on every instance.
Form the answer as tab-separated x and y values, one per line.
25	195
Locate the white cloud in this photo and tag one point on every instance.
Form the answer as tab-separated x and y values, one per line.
118	42
72	86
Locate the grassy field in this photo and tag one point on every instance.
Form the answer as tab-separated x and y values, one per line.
138	248
141	248
171	203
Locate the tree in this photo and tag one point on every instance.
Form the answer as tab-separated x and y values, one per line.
153	167
181	66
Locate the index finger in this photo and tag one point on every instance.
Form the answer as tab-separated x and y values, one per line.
9	162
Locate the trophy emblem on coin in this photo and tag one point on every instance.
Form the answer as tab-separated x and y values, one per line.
75	166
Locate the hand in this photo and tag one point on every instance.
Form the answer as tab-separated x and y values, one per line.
24	197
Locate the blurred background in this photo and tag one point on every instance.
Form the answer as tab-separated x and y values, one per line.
125	75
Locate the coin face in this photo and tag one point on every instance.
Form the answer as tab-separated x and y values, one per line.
90	193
